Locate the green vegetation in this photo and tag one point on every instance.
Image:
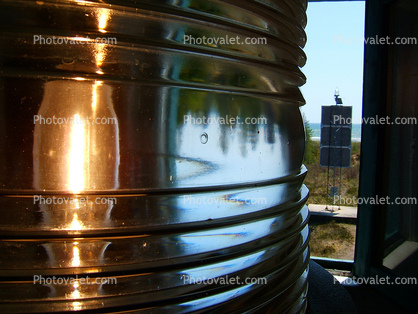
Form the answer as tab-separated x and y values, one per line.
311	151
333	240
316	180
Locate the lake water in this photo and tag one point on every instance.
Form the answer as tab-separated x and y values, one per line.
355	132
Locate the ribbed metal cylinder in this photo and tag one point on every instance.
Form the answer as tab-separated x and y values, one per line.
167	164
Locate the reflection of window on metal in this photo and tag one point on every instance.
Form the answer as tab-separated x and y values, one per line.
75	153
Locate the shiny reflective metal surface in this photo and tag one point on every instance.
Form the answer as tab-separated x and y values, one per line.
179	190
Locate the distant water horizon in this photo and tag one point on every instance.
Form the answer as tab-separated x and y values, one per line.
355	132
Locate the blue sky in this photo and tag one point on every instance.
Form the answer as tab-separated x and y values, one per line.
332	63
